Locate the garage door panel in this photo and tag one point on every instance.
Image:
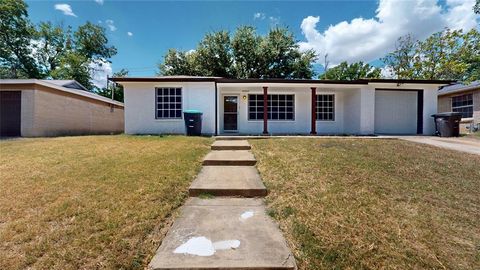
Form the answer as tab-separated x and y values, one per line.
396	112
10	113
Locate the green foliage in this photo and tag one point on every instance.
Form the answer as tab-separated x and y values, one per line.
16	33
243	55
47	50
400	61
73	66
179	63
476	8
51	46
451	55
116	88
354	71
246	46
91	41
214	55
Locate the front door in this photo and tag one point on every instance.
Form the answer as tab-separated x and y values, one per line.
230	113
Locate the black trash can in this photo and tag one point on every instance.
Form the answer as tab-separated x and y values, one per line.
447	124
193	122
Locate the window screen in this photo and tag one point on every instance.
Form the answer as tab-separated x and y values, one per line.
169	103
463	104
325	107
280	107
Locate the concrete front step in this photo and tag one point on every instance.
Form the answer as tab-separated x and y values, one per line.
223	233
240	137
231	145
229	158
228	181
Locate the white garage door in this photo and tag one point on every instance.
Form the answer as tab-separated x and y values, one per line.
395	112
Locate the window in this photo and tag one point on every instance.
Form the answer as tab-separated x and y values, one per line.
169	103
463	104
325	107
280	107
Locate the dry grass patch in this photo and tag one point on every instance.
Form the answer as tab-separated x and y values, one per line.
371	204
91	202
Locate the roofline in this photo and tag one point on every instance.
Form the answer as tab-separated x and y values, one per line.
274	80
61	88
459	90
410	81
160	79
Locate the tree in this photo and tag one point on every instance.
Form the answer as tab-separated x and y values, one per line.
91	41
450	55
116	88
476	8
179	63
87	45
50	46
400	61
47	50
16	33
354	71
73	66
246	46
243	55
214	55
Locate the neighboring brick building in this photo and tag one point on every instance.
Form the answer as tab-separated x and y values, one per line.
461	98
34	108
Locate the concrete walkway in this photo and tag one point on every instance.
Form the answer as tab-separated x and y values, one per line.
225	232
471	146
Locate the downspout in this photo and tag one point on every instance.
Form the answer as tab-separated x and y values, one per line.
216	109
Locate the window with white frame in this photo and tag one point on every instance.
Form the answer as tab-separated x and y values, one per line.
325	108
463	104
168	103
280	107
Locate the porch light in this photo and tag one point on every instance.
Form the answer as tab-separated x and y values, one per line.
244	97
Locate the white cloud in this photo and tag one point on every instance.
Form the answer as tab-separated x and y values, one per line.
274	20
66	9
110	25
99	70
129	34
259	16
369	39
100	2
387	73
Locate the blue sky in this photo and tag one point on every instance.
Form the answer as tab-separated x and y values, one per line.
346	30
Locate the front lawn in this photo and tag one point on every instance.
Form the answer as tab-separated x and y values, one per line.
91	202
373	204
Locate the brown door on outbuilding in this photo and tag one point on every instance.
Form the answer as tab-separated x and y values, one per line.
10	113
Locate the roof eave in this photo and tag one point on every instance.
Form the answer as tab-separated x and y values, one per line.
311	81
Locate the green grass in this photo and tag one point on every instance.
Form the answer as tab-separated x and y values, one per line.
373	204
91	202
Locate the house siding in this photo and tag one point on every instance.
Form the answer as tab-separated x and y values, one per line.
445	103
140	107
50	112
354	107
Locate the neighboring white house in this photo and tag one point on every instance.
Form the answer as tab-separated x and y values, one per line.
154	105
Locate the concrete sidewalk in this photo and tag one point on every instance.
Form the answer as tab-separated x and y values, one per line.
228	181
471	146
225	232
